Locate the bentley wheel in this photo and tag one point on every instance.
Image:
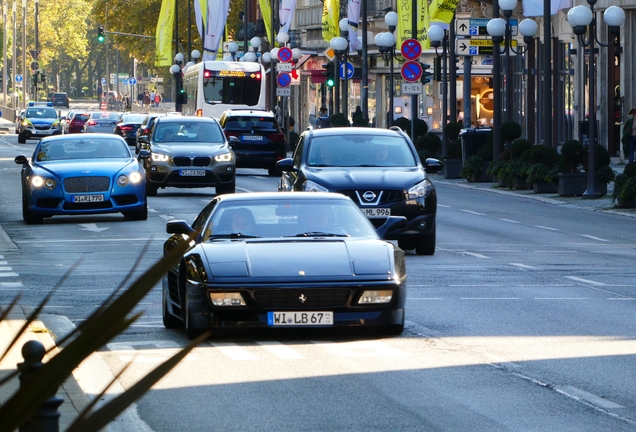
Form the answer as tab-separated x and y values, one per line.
426	245
139	214
169	321
29	217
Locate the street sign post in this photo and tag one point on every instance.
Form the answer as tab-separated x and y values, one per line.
350	70
411	49
283	79
103	81
284	54
412	88
284	67
477	27
283	91
411	71
18	78
132	81
473	47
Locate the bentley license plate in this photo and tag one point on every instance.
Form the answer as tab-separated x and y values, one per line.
192	173
87	198
312	318
375	213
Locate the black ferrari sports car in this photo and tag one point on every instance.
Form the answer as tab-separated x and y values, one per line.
274	260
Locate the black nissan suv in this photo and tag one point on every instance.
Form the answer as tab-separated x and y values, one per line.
379	169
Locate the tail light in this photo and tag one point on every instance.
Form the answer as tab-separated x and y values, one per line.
199	113
278	136
91	123
126	128
230	134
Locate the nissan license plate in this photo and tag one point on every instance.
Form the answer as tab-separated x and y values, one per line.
312	318
87	198
252	138
376	213
192	173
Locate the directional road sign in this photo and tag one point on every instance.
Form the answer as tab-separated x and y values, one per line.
132	81
283	79
411	49
350	70
473	47
477	26
284	54
103	81
411	71
18	78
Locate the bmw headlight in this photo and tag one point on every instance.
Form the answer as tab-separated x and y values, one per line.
158	157
225	157
421	190
49	183
309	186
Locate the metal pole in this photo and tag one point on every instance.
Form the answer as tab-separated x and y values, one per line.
530	94
590	191
509	85
14	71
444	92
24	68
37	39
453	74
496	84
547	71
466	94
415	107
107	63
5	72
364	84
245	26
391	89
345	87
190	30
272	73
336	85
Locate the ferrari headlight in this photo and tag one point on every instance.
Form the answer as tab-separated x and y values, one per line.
376	297
122	180
421	190
227	299
158	157
309	186
134	177
225	157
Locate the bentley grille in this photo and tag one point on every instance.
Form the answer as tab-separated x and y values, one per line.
86	184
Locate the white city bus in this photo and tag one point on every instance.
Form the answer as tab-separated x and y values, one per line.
215	86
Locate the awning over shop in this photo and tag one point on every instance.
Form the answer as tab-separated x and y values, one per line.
317	77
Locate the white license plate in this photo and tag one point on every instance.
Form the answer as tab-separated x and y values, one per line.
252	138
192	173
87	198
312	318
375	213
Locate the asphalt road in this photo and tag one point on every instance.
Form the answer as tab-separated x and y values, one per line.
523	320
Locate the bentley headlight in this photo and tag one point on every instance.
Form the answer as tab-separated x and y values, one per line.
158	157
50	183
37	181
122	180
421	190
134	177
225	157
309	186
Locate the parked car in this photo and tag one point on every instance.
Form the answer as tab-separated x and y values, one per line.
101	122
60	99
145	128
75	122
78	174
127	127
271	260
260	140
39	121
188	152
378	169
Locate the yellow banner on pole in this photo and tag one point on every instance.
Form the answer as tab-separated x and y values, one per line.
163	34
266	12
330	18
443	10
405	23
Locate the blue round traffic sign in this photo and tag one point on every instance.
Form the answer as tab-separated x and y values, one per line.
132	81
350	70
103	81
411	49
18	78
284	54
411	71
283	79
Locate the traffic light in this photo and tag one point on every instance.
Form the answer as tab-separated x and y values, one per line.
100	34
427	75
329	73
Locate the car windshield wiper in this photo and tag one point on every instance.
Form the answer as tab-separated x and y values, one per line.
232	236
319	234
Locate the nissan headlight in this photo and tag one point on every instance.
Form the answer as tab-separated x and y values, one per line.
226	299
309	186
225	157
421	190
376	297
158	157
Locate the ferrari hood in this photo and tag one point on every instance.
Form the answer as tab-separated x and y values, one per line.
298	259
366	177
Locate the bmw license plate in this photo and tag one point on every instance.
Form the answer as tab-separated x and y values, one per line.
376	213
252	138
192	173
312	318
87	198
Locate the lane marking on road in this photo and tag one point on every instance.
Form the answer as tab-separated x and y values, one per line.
99	240
147	351
165	217
562	298
9	274
621	298
234	351
3	262
11	284
476	255
594	238
577	393
490	298
5	268
152	210
280	350
425	298
587	281
442	205
510	221
555	251
477	286
473	212
523	266
360	349
545	228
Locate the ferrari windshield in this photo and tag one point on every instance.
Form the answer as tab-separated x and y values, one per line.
82	148
288	218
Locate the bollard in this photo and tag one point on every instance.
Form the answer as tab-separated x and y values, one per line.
46	418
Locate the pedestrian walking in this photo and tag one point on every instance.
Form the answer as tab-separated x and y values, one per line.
157	99
357	114
322	122
628	137
146	100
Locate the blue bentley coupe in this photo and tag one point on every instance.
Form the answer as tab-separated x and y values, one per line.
82	174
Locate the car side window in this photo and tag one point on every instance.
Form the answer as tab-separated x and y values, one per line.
298	153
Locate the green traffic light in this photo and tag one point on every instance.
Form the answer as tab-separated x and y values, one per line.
100	38
330	82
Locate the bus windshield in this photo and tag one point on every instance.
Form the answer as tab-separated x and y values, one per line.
232	90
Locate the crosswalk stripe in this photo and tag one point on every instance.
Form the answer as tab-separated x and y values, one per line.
234	351
280	350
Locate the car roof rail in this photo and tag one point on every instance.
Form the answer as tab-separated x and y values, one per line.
396	128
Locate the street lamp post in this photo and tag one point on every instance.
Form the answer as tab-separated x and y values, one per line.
386	45
175	70
438	36
340	46
581	18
